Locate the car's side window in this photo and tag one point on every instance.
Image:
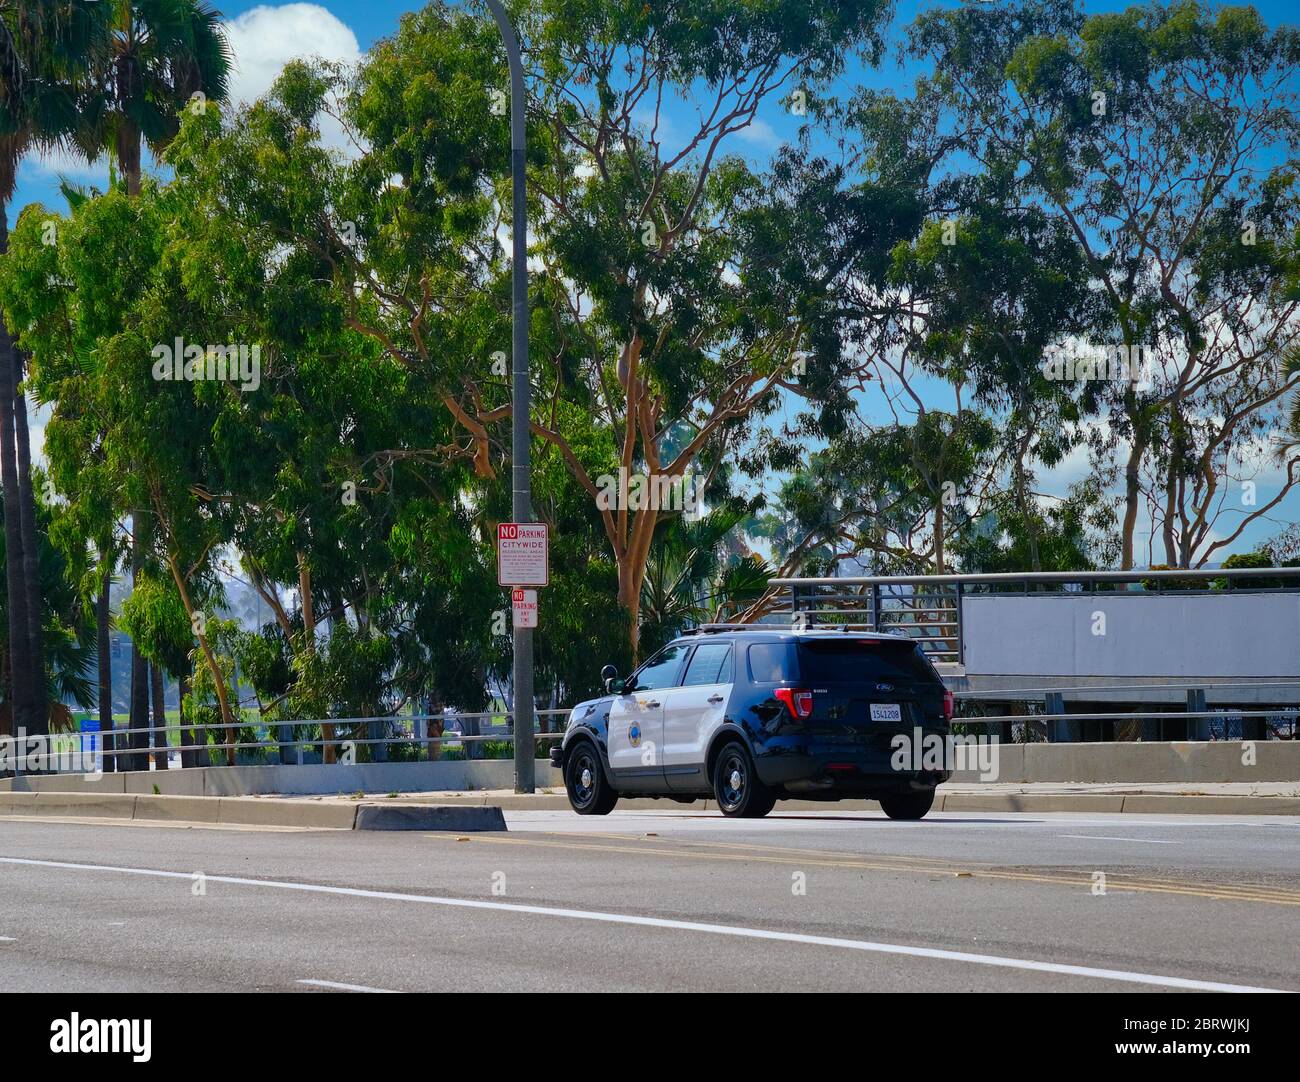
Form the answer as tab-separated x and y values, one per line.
771	663
661	671
711	664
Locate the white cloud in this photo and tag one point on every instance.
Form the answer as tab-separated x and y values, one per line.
760	133
52	163
266	38
263	40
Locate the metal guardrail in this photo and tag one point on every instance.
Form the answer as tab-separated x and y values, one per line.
928	608
298	746
1198	685
1058	726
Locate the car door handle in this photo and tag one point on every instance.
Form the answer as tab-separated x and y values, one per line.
649	702
715	698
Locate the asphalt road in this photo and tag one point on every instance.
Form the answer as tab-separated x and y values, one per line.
658	901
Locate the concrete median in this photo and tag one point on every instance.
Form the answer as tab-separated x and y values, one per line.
251	812
429	817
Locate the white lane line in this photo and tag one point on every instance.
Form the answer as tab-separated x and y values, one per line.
345	987
738	931
7	939
1106	838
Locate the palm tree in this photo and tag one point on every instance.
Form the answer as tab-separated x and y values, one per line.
70	634
47	50
162	53
696	574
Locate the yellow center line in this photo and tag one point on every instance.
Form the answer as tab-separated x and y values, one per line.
751	847
1218	892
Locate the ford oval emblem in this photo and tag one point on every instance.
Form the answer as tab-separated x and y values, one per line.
884	687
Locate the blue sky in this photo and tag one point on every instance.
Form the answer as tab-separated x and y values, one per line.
265	35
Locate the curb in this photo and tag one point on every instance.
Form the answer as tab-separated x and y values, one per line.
473	812
1032	802
1175	804
208	810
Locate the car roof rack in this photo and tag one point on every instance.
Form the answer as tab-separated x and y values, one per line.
713	629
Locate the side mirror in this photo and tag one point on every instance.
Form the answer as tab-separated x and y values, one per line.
609	677
614	687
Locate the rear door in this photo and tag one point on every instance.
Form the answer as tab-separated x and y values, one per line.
694	712
636	720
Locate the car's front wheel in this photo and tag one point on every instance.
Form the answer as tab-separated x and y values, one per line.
584	780
736	785
907	805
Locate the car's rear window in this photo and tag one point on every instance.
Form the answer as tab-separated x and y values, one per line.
855	660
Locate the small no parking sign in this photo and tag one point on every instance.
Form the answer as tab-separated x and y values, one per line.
524	605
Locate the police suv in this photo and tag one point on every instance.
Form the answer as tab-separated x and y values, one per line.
751	716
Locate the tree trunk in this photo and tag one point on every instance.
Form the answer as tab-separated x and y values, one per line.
128	135
1030	511
223	699
138	741
159	718
329	752
1172	555
1132	495
189	757
938	537
436	726
102	618
197	735
629	597
21	668
31	552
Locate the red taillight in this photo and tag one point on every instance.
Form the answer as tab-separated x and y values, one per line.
948	705
798	702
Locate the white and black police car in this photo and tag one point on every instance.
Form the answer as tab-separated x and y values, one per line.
751	716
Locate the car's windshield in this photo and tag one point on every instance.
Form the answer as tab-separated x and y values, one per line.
660	671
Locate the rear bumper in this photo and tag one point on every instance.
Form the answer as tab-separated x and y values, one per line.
812	769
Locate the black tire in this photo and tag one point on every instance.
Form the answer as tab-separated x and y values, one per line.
736	785
907	805
584	780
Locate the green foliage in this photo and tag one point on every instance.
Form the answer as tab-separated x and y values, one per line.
155	620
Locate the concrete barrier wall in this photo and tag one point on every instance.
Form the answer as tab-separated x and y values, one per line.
1193	636
1172	761
452	776
1212	761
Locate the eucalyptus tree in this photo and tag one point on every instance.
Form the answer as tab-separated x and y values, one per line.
92	308
642	316
1163	138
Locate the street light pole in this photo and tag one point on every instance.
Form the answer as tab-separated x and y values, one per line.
520	435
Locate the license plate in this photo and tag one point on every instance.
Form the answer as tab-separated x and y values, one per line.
886	712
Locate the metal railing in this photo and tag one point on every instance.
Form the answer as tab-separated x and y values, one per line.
294	748
928	608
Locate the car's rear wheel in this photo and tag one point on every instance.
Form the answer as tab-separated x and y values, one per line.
736	784
584	780
907	805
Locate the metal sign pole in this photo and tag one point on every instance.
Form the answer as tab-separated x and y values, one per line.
521	501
